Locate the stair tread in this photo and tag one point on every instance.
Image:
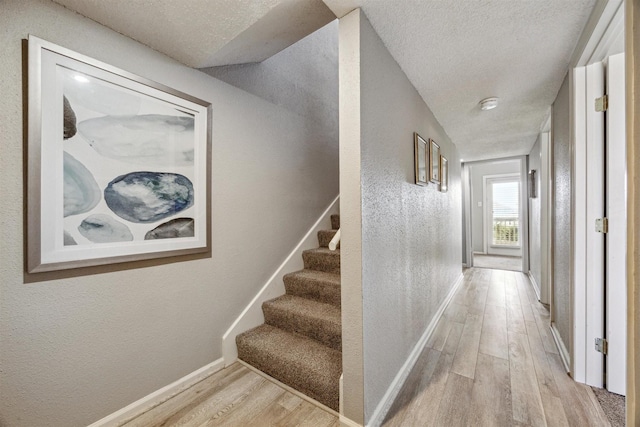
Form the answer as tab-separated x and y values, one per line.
335	221
314	319
315	285
306	308
317	275
322	251
322	259
298	361
325	237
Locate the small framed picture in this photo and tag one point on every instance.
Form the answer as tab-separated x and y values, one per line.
434	164
421	159
444	174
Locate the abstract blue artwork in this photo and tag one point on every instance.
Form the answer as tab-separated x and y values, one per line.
81	192
119	165
144	197
179	227
100	228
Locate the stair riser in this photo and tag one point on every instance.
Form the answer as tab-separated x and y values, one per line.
329	262
335	222
325	332
325	236
313	290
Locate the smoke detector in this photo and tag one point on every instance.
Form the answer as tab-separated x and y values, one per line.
489	103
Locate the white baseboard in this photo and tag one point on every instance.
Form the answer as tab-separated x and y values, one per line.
341	391
562	349
392	392
252	315
348	422
536	287
158	397
344	421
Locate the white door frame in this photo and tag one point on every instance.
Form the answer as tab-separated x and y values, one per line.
546	216
584	363
524	207
466	185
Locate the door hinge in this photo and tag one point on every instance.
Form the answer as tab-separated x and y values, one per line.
602	225
602	103
602	345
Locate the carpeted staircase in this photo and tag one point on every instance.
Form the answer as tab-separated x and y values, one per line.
300	342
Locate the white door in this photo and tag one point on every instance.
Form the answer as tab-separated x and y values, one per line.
600	259
503	219
595	242
616	238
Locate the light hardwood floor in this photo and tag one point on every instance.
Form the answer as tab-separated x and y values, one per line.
490	362
236	396
497	262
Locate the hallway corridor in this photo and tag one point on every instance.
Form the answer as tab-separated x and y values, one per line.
492	362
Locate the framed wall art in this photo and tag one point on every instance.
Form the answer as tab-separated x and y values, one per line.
118	166
444	174
434	163
421	154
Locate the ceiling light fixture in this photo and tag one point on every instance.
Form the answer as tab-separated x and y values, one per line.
489	103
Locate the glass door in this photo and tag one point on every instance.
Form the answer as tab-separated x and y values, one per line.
503	212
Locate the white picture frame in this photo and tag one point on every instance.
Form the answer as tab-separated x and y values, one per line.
421	159
434	162
118	166
444	174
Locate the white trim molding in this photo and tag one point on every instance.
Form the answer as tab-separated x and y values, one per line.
396	385
600	33
536	287
158	397
252	315
348	422
562	349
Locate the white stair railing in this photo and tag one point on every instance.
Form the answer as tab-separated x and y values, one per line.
333	244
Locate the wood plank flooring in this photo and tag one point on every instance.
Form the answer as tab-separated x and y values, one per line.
236	396
492	362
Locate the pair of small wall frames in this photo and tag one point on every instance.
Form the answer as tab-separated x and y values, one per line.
430	165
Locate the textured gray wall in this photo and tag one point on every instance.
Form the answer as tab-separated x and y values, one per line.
477	171
80	345
562	238
297	79
535	266
411	235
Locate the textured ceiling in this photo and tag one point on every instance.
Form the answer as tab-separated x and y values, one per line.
455	52
206	33
458	52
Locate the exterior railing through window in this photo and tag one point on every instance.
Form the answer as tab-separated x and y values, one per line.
506	231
